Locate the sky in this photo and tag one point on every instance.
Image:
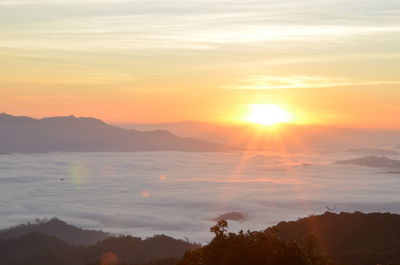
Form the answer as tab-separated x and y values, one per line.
324	61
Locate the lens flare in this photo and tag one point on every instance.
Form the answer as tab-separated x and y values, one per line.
145	193
79	174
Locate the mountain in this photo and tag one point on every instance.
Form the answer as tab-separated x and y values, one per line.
19	245
39	249
165	261
35	249
349	238
71	134
57	228
285	137
135	249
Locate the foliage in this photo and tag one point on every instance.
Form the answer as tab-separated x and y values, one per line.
350	238
40	249
58	228
253	248
166	261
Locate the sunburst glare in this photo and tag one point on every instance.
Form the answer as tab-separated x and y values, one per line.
268	114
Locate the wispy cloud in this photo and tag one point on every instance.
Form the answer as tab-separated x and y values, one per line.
183	32
284	82
124	24
201	44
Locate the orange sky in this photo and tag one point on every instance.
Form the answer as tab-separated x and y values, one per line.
137	61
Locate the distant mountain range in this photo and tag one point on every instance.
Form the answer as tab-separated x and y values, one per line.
285	137
70	134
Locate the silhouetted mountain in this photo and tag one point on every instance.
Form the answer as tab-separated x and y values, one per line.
41	249
71	134
291	137
349	238
166	261
371	161
57	228
137	250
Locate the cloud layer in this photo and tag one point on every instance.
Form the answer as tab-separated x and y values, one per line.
180	193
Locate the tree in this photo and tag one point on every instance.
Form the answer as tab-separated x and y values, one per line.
253	248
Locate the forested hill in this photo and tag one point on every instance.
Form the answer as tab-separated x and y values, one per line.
54	242
58	228
35	248
345	238
350	238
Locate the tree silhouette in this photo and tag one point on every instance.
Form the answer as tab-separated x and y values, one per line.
253	248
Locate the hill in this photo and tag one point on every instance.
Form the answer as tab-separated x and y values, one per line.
36	248
54	242
255	248
70	134
349	238
56	227
137	250
346	238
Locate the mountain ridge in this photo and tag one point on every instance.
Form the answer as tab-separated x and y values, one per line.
22	134
283	136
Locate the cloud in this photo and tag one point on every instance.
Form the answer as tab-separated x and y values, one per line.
373	151
261	82
87	39
196	189
191	25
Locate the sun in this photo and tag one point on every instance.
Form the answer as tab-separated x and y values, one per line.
268	114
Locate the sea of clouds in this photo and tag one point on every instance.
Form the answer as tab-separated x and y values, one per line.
181	194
